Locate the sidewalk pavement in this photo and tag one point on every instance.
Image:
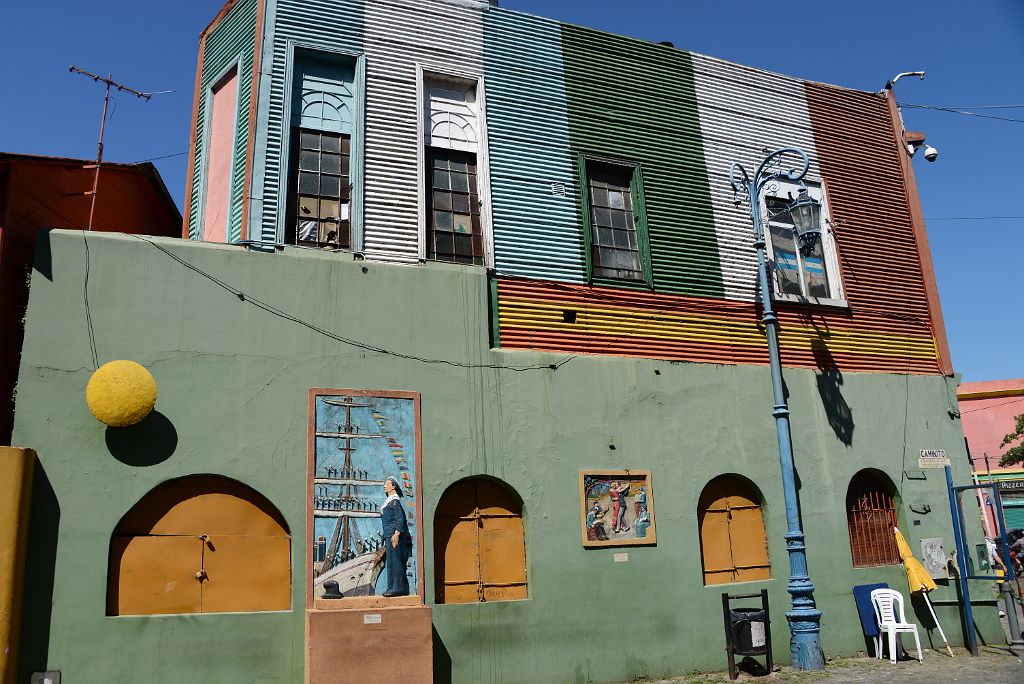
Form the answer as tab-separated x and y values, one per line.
994	665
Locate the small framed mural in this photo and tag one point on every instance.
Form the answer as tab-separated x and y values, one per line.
617	508
364	461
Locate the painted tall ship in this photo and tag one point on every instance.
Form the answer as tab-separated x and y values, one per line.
352	498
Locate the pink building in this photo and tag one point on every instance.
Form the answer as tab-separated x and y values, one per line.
987	411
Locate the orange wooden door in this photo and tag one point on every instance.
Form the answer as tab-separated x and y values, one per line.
734	545
155	575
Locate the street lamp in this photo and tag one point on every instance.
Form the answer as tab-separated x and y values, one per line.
804	619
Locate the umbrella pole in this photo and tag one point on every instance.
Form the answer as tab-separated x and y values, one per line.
941	633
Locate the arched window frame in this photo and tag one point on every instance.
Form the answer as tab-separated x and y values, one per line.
492	580
744	570
872	511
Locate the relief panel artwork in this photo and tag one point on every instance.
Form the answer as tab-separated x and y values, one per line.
360	439
617	507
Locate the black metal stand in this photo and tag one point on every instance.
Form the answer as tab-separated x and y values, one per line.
732	649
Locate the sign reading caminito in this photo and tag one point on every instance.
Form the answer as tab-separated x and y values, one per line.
932	458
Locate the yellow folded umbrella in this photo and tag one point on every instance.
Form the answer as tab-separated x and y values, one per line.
918	579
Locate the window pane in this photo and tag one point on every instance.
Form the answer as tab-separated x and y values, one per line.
615	199
308	160
308	183
307	230
330	163
460	203
332	143
814	272
442	201
605	236
442	220
309	140
329	209
460	182
787	267
599	197
602	217
330	186
307	207
462	223
618	219
622	239
464	244
441	180
440	162
458	165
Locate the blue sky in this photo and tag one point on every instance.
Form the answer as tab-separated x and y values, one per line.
972	57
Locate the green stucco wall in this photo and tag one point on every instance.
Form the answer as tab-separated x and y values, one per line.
233	383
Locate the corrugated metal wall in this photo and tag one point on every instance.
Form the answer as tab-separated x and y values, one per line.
867	193
536	228
738	124
398	35
635	100
326	24
234	36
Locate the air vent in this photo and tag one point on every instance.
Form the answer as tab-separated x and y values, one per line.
558	189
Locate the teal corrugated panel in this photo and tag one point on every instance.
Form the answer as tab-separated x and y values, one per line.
634	100
536	228
325	24
233	38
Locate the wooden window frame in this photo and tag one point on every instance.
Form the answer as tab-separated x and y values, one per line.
870	529
344	197
829	250
477	255
585	162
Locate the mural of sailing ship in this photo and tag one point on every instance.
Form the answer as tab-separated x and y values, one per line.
359	444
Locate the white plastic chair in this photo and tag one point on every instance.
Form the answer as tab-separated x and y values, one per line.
888	605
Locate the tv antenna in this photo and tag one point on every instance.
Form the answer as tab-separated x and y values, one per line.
109	82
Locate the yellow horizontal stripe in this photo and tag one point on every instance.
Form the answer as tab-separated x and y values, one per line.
991	394
527	314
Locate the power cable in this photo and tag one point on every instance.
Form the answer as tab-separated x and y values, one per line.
269	308
985	408
963	111
166	156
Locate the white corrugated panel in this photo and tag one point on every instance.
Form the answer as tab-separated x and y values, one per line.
438	36
744	112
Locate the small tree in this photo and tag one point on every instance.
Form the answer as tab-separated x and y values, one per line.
1014	455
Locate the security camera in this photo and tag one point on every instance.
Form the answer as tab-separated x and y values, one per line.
930	153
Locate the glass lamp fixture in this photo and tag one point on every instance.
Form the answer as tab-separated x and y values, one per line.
806	214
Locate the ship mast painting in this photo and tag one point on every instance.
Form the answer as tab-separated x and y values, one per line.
360	441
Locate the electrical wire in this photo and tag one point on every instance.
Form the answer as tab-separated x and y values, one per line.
166	156
975	218
269	308
963	111
985	408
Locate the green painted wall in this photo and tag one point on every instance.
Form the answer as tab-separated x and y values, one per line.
635	101
233	382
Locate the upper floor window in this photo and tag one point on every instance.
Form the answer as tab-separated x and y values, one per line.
616	233
809	274
319	210
454	230
323	197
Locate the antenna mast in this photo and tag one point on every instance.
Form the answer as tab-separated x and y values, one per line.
108	81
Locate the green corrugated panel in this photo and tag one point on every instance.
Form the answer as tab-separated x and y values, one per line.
633	100
234	37
1013	514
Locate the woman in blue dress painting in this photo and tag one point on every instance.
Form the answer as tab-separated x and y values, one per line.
397	540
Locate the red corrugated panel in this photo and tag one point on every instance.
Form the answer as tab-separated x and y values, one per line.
631	323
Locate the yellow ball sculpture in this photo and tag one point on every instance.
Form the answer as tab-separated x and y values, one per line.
121	393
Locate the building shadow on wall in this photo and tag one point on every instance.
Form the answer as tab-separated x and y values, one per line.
442	660
830	381
40	562
150	441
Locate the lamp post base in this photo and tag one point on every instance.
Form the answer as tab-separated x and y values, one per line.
805	644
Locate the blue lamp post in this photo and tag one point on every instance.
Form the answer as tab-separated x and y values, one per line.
804	619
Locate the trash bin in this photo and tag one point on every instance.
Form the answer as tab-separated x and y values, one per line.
748	630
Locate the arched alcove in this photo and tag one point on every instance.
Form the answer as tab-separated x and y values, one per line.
199	544
479	543
870	519
733	544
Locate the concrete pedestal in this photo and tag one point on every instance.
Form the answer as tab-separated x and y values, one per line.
371	644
